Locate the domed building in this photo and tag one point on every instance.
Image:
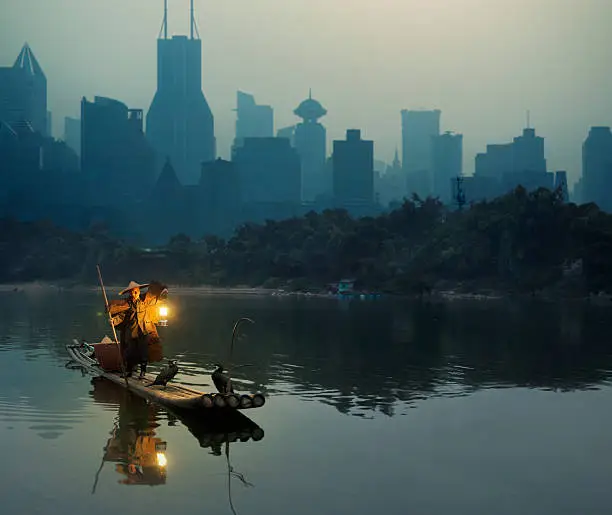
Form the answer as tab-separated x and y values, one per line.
310	143
310	110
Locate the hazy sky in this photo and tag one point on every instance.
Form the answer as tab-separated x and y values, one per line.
482	62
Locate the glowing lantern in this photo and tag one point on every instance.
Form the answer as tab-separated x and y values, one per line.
163	315
161	460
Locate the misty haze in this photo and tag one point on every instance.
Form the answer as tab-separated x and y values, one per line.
305	257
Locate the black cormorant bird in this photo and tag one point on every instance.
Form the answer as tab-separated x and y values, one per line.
222	381
166	374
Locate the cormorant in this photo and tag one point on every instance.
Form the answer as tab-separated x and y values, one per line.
166	374
222	381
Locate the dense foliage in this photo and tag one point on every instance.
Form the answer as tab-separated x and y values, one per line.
521	241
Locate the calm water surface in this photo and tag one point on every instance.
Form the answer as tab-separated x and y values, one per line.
373	407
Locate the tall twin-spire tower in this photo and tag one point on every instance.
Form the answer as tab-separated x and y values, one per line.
180	124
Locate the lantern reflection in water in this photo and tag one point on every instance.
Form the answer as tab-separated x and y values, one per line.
139	455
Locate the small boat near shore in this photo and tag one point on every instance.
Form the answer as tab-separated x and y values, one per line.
173	396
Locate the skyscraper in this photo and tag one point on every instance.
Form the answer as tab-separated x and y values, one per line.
253	120
528	153
115	154
23	92
561	184
418	128
390	186
447	160
49	131
220	198
268	174
180	124
597	168
496	161
353	161
72	133
310	142
269	171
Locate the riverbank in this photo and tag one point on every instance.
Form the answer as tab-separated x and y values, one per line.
508	247
445	292
40	286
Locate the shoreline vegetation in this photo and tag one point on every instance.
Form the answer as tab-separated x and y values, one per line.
521	244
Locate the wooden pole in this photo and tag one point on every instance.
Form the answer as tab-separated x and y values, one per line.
110	320
229	476
229	365
243	319
93	490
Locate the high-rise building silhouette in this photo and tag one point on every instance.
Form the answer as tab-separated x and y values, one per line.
23	92
528	153
72	133
49	131
390	186
447	157
220	198
418	128
269	170
597	167
353	162
508	165
115	154
496	161
577	195
396	164
310	142
269	174
20	153
180	124
287	133
253	120
561	184
170	208
528	164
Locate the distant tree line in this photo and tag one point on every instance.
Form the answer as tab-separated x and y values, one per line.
522	241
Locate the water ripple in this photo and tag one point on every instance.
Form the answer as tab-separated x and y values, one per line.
360	360
395	393
46	423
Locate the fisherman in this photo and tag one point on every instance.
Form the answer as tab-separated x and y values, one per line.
136	317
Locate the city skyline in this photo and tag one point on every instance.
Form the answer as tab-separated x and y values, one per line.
483	90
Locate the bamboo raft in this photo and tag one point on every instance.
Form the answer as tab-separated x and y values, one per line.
176	397
209	431
135	427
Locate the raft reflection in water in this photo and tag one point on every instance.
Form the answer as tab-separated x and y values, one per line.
139	455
